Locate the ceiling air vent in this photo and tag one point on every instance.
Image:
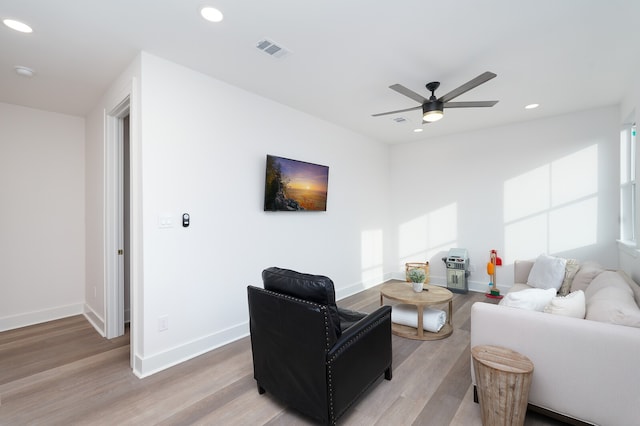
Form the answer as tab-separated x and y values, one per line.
272	49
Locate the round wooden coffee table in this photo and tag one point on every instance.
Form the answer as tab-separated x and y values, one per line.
432	295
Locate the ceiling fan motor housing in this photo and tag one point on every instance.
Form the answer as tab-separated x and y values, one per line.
431	107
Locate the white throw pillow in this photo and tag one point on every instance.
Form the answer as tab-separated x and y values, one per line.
532	299
547	272
571	305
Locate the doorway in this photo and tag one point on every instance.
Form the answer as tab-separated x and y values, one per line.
117	220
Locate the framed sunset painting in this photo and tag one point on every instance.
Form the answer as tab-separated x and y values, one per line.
292	185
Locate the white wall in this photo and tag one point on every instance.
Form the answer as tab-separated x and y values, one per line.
455	192
204	145
42	216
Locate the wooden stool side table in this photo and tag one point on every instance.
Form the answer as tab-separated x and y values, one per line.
503	378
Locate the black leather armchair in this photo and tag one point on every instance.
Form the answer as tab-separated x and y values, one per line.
310	354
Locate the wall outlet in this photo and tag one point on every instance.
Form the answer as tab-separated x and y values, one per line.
163	323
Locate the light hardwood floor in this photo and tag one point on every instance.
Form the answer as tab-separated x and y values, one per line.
63	373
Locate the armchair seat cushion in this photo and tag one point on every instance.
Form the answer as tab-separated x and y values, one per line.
348	318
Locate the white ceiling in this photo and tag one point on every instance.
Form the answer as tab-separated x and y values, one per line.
565	55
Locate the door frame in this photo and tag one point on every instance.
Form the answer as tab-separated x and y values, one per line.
114	227
118	105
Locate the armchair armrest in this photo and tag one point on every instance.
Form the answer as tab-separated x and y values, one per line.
359	329
358	358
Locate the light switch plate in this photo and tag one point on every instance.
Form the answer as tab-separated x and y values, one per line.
165	221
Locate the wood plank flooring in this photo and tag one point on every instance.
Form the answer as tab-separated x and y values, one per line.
64	373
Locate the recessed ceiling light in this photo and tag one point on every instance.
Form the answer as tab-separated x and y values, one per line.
17	25
418	130
532	106
24	71
211	14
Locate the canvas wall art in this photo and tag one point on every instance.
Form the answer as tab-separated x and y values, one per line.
292	185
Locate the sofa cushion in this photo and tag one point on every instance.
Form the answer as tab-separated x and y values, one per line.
571	305
607	279
614	305
313	288
571	268
587	272
532	299
633	285
547	272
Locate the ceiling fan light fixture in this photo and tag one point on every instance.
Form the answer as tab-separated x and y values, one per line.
432	111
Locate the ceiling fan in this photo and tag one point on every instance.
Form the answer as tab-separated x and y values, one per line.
433	108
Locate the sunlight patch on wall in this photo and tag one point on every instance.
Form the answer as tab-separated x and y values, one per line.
553	208
526	194
527	238
574	176
574	225
421	238
372	258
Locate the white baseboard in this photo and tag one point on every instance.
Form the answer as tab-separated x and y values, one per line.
146	366
31	318
95	320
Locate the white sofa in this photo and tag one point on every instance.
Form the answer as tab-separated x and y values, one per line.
583	369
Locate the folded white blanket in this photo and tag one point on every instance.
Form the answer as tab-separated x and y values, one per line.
432	320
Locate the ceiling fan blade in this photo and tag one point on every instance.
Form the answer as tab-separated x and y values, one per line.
395	112
408	93
473	104
482	78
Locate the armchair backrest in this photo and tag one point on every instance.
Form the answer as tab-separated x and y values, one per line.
290	339
313	288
